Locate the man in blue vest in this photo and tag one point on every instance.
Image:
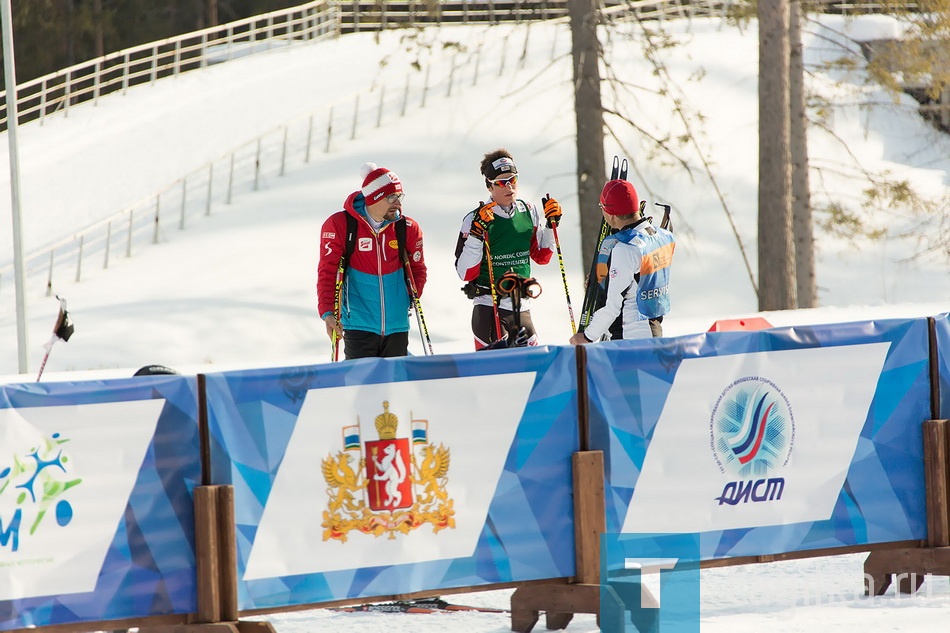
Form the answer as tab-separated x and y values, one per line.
635	265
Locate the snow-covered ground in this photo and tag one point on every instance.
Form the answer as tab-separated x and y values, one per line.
237	288
803	596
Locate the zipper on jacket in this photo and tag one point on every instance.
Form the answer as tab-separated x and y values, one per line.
379	275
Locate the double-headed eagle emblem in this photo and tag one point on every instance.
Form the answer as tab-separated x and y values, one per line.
387	486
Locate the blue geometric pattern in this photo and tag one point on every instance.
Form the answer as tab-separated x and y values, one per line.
942	330
882	499
149	568
528	532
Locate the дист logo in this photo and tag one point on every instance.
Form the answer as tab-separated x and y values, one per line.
752	429
397	485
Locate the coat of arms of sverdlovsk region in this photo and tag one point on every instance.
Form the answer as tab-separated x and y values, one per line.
396	485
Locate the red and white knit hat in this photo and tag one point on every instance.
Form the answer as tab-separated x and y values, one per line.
378	183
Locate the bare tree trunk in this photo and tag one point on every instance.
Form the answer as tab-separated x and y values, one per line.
777	285
71	32
801	190
589	115
97	19
211	14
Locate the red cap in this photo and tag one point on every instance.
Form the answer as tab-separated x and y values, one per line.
619	198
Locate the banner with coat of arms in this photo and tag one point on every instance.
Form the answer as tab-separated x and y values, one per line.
390	476
389	485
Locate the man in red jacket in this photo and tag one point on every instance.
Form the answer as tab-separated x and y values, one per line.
366	299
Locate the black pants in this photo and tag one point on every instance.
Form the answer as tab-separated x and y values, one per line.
360	344
483	325
616	328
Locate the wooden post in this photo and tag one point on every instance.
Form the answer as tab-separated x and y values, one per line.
227	551
589	514
79	260
935	477
157	223
184	201
561	602
210	184
356	115
207	556
105	263
309	138
909	566
128	243
257	165
227	199
283	154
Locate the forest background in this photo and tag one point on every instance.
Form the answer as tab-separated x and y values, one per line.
55	34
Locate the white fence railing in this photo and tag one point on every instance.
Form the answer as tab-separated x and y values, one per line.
56	92
147	63
255	164
249	166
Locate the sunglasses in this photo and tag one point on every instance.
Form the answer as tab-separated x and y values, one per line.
393	198
504	182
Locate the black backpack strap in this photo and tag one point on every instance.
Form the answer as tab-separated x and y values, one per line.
349	242
401	237
403	252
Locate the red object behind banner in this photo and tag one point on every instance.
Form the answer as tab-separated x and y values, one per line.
729	325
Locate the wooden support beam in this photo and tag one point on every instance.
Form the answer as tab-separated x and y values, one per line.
216	568
936	483
909	566
207	557
255	627
527	603
561	602
211	627
227	553
589	514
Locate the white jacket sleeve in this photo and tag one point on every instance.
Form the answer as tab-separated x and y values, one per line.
624	264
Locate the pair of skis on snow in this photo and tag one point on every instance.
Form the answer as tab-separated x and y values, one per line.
424	605
595	295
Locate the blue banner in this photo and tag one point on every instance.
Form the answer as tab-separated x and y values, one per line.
376	477
766	442
96	513
942	331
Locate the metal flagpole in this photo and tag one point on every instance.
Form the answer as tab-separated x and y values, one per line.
9	74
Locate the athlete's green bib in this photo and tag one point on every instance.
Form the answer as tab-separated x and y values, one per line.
509	240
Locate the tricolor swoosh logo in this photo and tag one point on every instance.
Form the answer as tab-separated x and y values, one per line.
746	443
